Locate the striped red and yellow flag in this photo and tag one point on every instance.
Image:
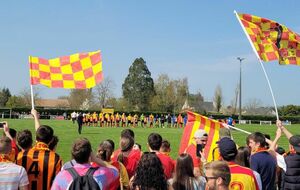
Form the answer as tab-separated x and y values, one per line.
80	70
212	127
272	41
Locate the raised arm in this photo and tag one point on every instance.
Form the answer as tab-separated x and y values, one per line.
277	137
283	129
6	130
36	119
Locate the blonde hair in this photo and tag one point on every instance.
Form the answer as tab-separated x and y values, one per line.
219	169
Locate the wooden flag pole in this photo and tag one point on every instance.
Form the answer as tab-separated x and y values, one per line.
263	68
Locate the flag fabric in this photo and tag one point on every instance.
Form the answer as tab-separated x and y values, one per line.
272	41
197	121
80	71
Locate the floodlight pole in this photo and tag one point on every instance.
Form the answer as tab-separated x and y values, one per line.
240	94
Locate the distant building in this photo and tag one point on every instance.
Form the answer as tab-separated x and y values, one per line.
207	106
53	103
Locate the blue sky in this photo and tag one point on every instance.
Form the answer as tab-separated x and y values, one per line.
195	39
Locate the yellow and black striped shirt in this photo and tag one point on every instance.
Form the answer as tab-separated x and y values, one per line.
41	165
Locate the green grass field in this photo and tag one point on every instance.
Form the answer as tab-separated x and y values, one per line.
67	133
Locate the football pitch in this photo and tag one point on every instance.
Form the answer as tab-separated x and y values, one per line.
67	133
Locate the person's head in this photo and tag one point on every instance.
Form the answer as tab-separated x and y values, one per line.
24	139
126	145
13	133
256	140
5	145
127	132
150	173
154	141
44	134
280	150
165	146
53	143
243	156
295	142
217	175
267	136
81	150
201	137
227	148
105	150
183	172
137	146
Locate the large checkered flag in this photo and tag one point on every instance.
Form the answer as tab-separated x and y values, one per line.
80	71
270	41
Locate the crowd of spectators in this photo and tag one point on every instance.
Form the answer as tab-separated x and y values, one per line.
259	164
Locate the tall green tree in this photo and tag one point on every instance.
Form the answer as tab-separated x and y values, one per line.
138	87
4	96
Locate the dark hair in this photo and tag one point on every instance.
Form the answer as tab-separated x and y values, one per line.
165	146
126	144
149	173
127	132
81	150
140	146
105	150
184	173
154	141
243	156
44	134
258	137
112	143
12	132
53	142
24	139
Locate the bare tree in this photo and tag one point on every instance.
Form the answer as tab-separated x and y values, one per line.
218	98
104	91
78	96
25	96
253	105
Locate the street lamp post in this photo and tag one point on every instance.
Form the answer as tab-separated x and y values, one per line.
240	94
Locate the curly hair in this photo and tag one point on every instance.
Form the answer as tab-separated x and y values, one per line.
150	174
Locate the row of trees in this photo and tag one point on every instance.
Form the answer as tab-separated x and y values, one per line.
142	93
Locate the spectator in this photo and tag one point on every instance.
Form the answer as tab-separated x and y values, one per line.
165	147
217	175
53	144
137	146
240	176
262	161
291	177
154	143
24	139
12	176
149	174
105	151
41	163
11	134
200	139
127	155
184	177
82	153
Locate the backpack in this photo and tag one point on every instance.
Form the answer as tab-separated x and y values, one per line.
85	182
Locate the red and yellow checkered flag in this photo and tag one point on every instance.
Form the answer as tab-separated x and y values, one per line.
80	70
272	41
